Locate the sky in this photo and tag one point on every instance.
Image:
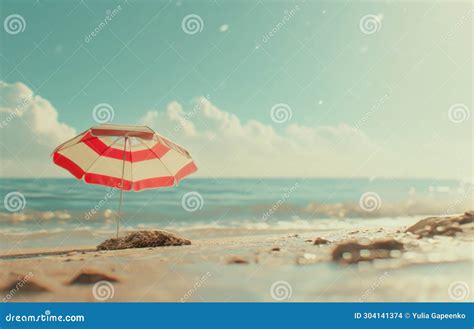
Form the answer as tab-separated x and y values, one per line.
250	88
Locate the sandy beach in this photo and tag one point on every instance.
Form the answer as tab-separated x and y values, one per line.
252	265
237	164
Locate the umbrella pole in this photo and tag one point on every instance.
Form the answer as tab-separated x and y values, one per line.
121	187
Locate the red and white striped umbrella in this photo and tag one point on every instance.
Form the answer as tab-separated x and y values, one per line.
124	157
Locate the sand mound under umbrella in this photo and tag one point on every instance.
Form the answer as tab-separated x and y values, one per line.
143	239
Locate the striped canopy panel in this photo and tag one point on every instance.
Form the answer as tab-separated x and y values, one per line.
102	154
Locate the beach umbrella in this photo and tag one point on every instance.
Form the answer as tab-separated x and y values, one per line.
129	158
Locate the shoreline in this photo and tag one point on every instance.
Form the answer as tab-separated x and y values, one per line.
244	268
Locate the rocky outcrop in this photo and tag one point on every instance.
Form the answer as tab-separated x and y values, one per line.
449	226
143	239
350	252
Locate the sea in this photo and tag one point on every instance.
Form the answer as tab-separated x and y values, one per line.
62	211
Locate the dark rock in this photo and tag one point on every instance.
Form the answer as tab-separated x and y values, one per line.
449	225
237	260
275	249
143	239
31	286
24	284
353	252
90	276
319	241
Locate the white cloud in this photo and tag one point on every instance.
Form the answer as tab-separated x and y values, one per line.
29	130
224	146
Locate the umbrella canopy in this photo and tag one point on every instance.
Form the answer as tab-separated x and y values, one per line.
148	160
124	157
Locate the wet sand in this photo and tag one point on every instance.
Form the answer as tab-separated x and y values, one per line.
248	265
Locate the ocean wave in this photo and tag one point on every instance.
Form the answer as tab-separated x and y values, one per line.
34	215
260	214
379	208
106	215
88	235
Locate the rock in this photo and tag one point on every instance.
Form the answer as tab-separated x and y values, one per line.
143	239
319	241
237	260
353	252
28	287
90	276
309	240
448	226
275	249
24	284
